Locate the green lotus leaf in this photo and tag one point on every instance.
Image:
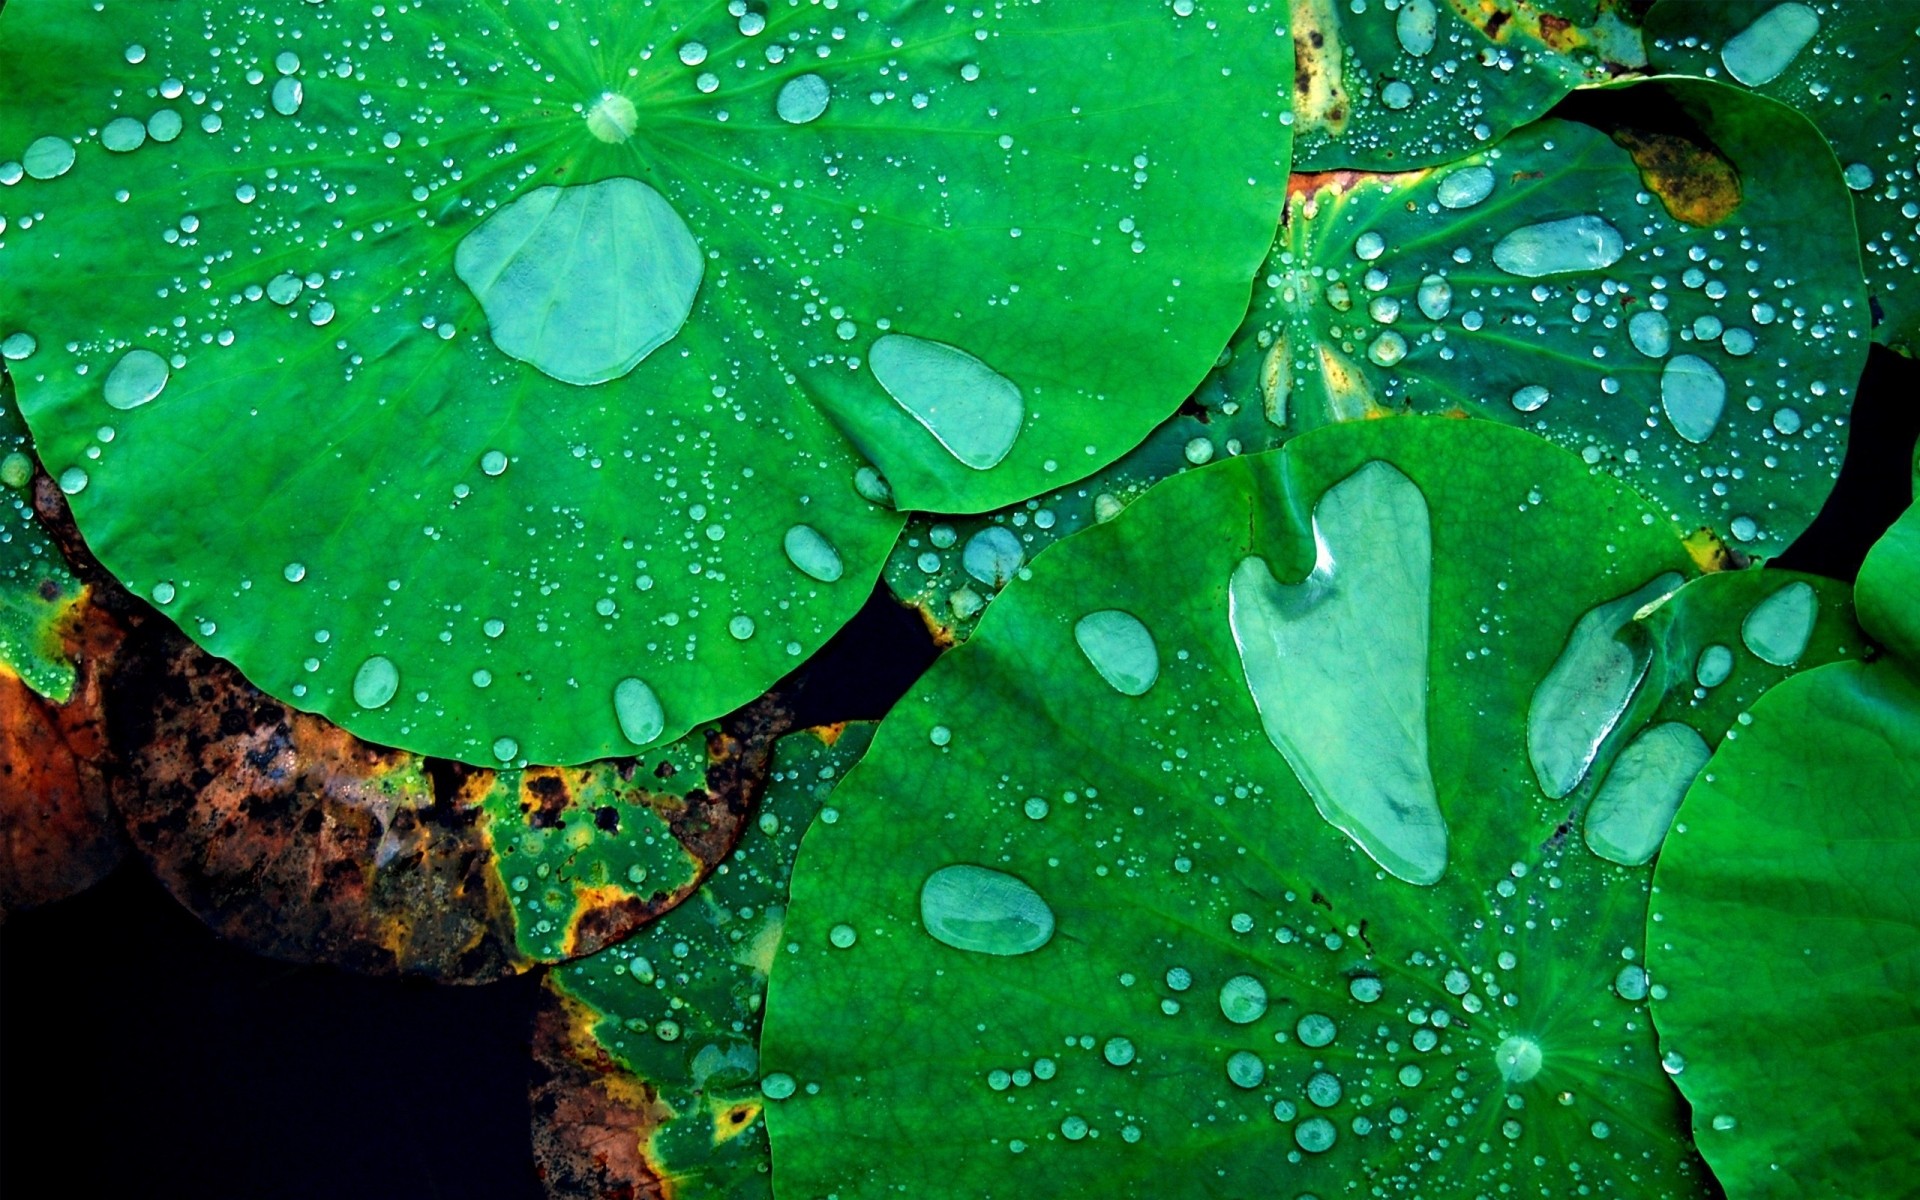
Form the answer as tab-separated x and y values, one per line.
509	385
1295	917
1387	292
1782	931
1852	67
1412	83
37	591
679	1004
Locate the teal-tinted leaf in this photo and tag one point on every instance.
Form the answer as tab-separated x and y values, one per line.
678	1006
338	286
37	591
1405	84
1236	997
1853	66
1366	306
1888	584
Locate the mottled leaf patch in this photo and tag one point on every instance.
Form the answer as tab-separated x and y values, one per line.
38	594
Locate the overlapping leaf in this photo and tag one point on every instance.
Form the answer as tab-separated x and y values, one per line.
37	591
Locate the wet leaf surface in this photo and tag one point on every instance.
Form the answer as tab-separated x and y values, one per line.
324	251
38	594
1156	945
1854	68
648	1079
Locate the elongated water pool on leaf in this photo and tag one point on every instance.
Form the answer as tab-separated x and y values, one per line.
531	337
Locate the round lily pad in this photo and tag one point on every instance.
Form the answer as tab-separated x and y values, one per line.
1295	915
1854	68
532	386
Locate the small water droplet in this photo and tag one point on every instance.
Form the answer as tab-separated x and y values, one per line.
1244	1069
73	481
1713	666
778	1086
1650	333
124	135
288	95
1518	1058
842	936
1315	1029
1118	1051
1243	999
1315	1135
1416	27
1531	398
48	158
505	749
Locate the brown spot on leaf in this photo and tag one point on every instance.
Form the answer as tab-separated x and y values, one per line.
591	1118
1695	181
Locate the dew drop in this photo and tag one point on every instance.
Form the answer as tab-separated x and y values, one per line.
1629	817
1531	398
1315	1135
993	556
1778	628
1118	1051
802	99
1465	187
1315	1029
1650	333
1693	395
1416	27
1764	49
137	378
123	135
288	95
375	682
1244	1069
1121	648
1518	1058
48	158
971	410
809	550
1435	297
1713	666
1243	999
1584	243
984	911
638	711
506	749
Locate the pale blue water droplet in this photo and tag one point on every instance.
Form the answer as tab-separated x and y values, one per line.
1387	349
984	911
613	119
1435	297
137	378
1324	1089
375	682
1243	999
1761	51
638	711
1244	1069
1631	982
583	282
288	95
1779	626
18	346
1073	1128
843	936
1316	1030
1650	333
505	749
1398	93
1859	176
1416	27
993	555
1531	397
1121	649
165	125
73	481
802	98
1714	665
809	550
1629	817
1589	687
1693	395
1465	187
1369	246
163	592
1337	667
294	572
1036	808
1585	243
1118	1051
778	1086
740	626
971	410
693	53
48	158
873	487
123	135
1365	988
1315	1135
1519	1058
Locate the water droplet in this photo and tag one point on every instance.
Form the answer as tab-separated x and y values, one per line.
73	481
1859	176
1369	246
1761	51
1519	1058
505	749
583	282
1387	349
1531	397
1364	988
1243	999
1121	649
1118	1051
802	99
1073	1128
985	911
294	572
1353	637
162	593
1631	982
165	125
638	711
1037	808
971	410
18	346
1584	243
1723	1123
124	135
693	53
1315	1135
1435	297
1465	187
1416	27
1650	333
16	469
1411	1075
137	378
375	682
1779	626
613	118
1693	395
1245	1069
842	936
1673	1062
1589	687
809	550
288	96
1714	665
1324	1089
1315	1029
873	487
1629	817
778	1086
48	158
740	626
1179	979
993	555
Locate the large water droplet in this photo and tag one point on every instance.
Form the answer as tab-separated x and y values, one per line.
1121	648
1693	395
1243	999
583	282
1761	51
1584	243
613	118
288	96
375	682
1519	1058
1416	27
1435	297
1337	666
638	710
137	378
969	408
801	99
1629	818
993	555
1650	333
1315	1135
985	911
1465	187
1778	627
1589	687
1713	666
123	135
48	158
808	549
